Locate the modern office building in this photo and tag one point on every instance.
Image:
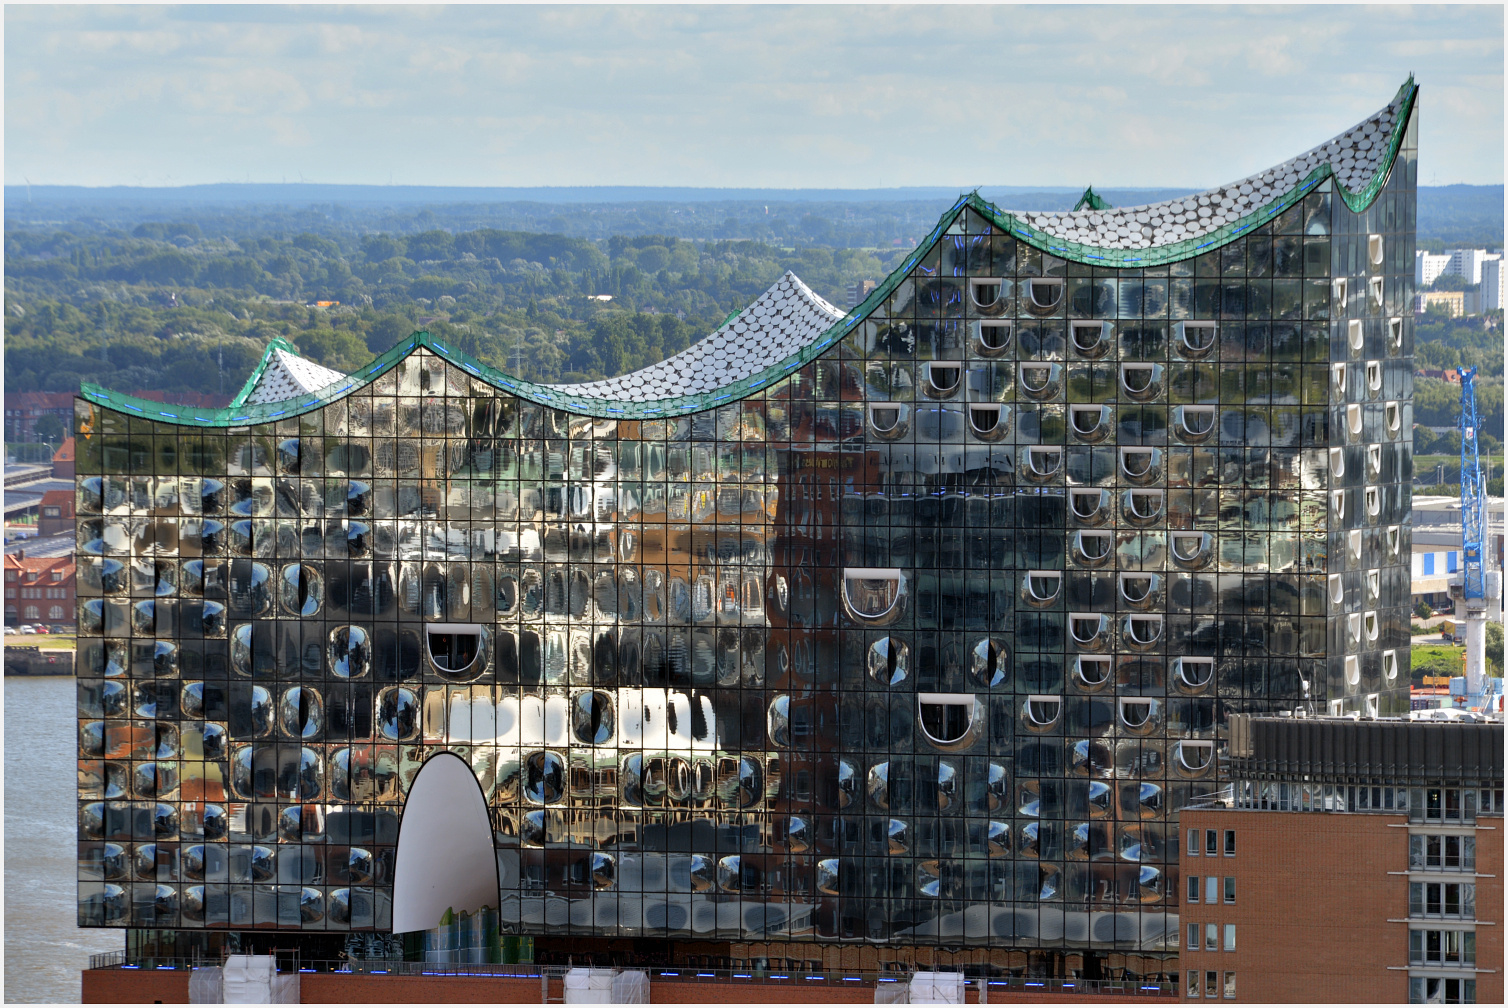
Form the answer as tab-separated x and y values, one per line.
853	641
1428	266
1356	861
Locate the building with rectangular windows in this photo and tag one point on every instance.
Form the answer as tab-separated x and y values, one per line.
887	640
1357	861
39	589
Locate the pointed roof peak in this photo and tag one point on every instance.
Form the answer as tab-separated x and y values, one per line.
1091	200
283	374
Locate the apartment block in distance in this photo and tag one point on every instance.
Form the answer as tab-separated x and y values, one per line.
1356	861
859	644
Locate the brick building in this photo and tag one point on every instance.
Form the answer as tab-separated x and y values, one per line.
1359	861
56	512
24	409
40	590
62	460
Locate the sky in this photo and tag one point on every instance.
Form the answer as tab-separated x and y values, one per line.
763	96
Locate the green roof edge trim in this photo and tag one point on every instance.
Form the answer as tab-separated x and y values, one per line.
238	414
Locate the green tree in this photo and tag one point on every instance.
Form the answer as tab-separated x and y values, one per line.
52	430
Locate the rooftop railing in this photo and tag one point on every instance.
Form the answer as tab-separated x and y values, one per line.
1128	987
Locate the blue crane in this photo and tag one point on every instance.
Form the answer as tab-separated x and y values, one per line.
1473	496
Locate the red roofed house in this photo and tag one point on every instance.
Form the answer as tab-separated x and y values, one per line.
62	460
56	513
39	590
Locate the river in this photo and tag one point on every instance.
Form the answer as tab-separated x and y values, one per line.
44	951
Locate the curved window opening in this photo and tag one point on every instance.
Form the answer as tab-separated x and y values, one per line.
302	590
887	661
453	647
1338	503
1374	250
1395	538
1089	421
1194	339
1195	756
1390	664
1338	290
1092	548
350	652
1144	630
985	418
592	718
888	418
544	778
1194	672
1044	293
992	338
1374	376
874	595
985	291
1194	423
989	662
1353	545
1136	712
1090	339
1139	589
1092	670
1337	589
946	718
1086	628
1376	290
1141	381
1040	381
1043	711
1371	624
1393	417
1355	333
1143	505
1043	587
1044	460
1338	461
1374	583
1139	463
1373	499
1395	333
778	721
1353	669
828	876
941	379
1088	505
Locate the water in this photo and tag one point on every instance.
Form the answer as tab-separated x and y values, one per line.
44	951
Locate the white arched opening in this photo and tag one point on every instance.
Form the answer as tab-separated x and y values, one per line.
446	858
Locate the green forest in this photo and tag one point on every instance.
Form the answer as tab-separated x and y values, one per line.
167	307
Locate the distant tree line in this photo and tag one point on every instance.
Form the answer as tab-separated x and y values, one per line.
167	307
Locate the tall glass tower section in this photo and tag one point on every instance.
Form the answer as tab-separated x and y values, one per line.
848	639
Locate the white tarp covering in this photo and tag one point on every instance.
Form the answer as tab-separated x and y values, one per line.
247	979
606	986
936	988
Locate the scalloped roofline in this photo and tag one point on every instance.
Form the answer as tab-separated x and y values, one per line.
240	414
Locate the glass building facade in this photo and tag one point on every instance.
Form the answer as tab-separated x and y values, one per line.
918	634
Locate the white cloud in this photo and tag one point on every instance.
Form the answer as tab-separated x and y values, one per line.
733	96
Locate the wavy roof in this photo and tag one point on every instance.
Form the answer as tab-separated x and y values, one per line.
789	325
